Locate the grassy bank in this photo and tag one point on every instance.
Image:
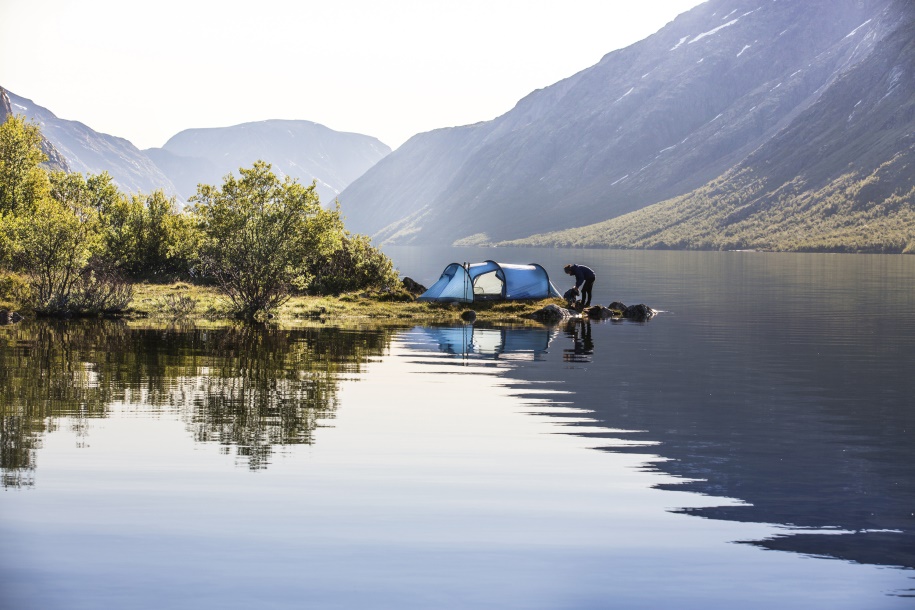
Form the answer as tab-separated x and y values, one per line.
181	300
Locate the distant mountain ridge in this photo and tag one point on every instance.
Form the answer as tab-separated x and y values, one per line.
88	151
650	122
301	149
55	159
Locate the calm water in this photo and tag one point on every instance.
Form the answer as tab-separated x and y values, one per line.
754	444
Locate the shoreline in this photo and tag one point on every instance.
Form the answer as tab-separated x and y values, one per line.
184	302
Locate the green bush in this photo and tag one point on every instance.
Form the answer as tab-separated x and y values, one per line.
14	289
356	265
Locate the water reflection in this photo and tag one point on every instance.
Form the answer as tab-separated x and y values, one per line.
248	388
579	331
814	434
489	341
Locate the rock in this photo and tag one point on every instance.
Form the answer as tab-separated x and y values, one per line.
640	312
469	315
617	306
413	287
602	313
552	313
9	317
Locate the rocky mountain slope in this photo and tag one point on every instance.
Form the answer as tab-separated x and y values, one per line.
301	149
56	161
839	177
88	151
648	123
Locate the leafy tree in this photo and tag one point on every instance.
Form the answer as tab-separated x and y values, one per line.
145	236
95	192
22	181
142	236
262	235
53	245
168	239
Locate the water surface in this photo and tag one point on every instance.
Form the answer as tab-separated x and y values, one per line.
751	445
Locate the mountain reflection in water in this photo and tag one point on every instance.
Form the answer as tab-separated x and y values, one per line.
815	440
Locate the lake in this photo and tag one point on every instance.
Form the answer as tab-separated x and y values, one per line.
752	445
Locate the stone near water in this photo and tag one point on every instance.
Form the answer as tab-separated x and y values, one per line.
9	317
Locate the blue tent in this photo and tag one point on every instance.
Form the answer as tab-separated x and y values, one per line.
490	281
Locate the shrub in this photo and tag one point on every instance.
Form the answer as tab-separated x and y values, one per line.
14	288
356	265
261	236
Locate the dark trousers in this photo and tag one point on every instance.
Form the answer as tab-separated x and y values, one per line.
586	292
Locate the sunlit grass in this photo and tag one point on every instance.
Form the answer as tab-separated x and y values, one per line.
187	301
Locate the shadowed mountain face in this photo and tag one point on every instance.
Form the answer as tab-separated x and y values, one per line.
647	123
837	178
300	149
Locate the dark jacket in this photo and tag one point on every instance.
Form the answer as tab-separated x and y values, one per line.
582	274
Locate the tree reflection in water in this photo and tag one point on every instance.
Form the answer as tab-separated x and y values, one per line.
246	387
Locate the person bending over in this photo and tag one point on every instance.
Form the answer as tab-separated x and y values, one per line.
584	281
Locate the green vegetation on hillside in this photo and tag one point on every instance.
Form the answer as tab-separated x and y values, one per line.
854	213
75	245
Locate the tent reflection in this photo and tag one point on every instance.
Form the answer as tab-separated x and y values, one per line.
524	343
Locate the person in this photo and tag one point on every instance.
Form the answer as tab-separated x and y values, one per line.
584	281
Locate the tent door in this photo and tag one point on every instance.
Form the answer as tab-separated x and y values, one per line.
488	286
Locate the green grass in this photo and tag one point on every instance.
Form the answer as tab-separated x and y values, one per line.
164	301
187	302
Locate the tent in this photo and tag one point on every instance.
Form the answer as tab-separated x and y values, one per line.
491	281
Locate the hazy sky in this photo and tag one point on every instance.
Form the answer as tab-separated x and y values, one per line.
146	70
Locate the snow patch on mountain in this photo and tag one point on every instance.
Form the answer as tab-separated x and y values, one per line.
855	31
713	31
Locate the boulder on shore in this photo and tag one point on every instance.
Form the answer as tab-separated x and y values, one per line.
552	313
413	287
602	313
639	313
9	317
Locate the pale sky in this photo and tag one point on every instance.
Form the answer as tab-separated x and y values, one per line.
146	70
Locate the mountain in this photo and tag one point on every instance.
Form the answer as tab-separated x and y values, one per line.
659	119
301	149
88	151
55	159
839	177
